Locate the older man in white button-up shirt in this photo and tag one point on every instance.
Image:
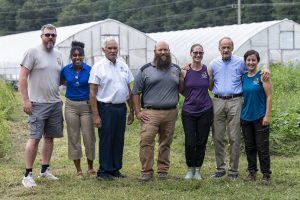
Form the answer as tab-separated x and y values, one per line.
109	90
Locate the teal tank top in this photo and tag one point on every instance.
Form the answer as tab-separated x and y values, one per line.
254	106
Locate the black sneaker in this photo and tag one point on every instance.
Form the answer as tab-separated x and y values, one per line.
105	177
117	174
266	179
218	174
232	177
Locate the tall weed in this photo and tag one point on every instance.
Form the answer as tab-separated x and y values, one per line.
7	103
285	120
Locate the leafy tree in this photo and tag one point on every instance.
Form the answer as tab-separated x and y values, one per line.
257	11
7	15
33	14
144	15
76	12
284	9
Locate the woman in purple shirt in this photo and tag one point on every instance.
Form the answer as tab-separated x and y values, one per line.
197	111
78	113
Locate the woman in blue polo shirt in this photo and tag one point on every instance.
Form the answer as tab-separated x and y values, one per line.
255	116
78	110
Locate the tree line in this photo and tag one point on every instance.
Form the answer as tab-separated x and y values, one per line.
145	15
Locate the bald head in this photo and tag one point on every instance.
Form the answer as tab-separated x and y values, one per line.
162	57
161	44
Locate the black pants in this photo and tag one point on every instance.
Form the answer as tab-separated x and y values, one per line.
256	138
196	129
111	136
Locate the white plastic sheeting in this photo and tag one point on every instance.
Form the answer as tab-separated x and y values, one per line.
135	47
276	41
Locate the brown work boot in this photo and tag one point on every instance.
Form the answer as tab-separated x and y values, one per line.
162	176
145	177
251	176
266	179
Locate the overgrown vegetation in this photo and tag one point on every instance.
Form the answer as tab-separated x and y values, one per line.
285	127
7	103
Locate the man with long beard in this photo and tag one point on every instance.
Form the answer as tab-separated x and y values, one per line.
39	86
156	90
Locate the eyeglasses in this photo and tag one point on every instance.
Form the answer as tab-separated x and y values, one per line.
50	34
198	52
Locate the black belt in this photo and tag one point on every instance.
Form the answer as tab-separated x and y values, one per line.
112	104
155	108
229	96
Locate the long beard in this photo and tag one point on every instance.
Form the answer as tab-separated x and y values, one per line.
50	45
163	62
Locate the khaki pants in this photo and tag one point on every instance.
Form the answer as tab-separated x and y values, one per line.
227	118
162	122
79	119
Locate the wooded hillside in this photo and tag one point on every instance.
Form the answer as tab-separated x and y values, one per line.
145	15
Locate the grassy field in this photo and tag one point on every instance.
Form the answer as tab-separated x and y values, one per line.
285	179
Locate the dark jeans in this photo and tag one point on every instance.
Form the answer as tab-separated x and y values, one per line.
196	129
111	135
256	138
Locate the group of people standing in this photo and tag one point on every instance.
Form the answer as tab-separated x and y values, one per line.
97	96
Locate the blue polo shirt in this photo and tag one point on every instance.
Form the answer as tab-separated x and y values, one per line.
77	84
227	75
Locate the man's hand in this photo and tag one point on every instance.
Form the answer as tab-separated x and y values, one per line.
130	118
265	74
187	66
97	121
27	107
142	116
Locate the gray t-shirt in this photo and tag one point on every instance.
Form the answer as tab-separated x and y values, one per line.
44	75
159	88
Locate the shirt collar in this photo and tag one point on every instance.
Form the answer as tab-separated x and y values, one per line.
227	60
108	61
83	66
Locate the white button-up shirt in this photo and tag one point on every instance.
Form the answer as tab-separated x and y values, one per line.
112	80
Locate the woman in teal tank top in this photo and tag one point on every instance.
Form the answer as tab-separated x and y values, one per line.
255	116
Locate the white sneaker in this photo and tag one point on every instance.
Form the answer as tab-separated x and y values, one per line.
48	175
28	181
197	175
190	173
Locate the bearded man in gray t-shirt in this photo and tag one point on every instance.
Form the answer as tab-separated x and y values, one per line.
39	86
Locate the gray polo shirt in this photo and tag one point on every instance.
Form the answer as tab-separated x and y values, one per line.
159	88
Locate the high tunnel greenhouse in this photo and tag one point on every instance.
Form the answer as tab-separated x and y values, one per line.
276	41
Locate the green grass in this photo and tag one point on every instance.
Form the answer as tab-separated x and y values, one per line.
285	178
284	141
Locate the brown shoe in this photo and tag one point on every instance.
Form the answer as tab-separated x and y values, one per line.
91	172
145	177
79	174
251	176
162	176
266	179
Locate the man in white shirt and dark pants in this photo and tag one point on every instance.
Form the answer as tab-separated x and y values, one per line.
109	90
